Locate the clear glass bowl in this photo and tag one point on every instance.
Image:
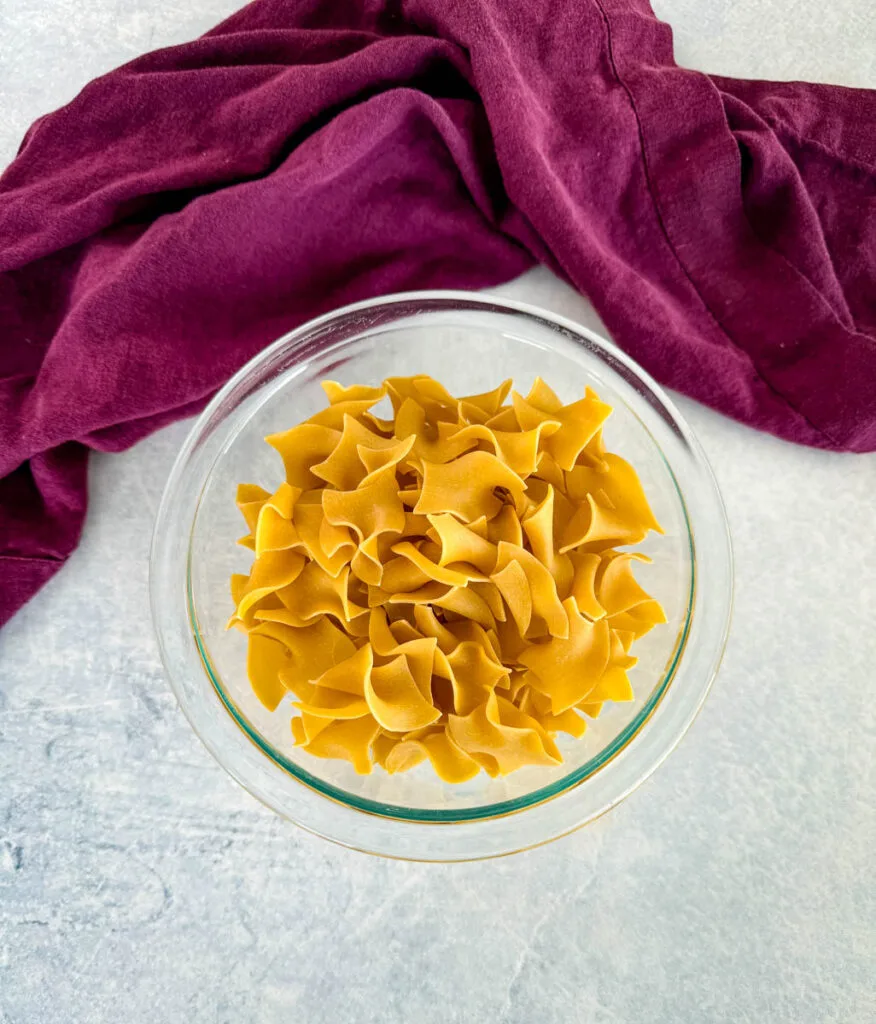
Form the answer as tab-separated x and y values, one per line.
469	343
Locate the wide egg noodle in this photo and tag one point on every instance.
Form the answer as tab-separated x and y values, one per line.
444	587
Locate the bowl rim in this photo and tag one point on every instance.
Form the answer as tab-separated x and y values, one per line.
483	814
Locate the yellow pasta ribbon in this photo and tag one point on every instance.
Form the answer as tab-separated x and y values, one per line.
443	587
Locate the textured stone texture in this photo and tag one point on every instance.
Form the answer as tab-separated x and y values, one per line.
138	882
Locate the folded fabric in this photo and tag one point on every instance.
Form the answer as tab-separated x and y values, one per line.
188	208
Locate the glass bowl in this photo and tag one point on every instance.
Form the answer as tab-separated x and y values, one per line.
469	343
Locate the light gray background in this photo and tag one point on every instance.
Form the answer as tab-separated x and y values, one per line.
138	883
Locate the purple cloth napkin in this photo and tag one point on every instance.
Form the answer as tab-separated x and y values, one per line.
186	209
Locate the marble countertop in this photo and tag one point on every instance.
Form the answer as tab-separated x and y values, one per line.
139	883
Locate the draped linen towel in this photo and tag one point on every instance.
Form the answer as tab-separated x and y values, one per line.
186	209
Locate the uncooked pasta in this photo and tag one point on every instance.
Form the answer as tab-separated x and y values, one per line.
446	584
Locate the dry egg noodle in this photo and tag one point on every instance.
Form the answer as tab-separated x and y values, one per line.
444	585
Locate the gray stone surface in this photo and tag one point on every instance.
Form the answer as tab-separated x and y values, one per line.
139	883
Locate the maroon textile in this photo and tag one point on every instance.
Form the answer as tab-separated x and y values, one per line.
186	209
